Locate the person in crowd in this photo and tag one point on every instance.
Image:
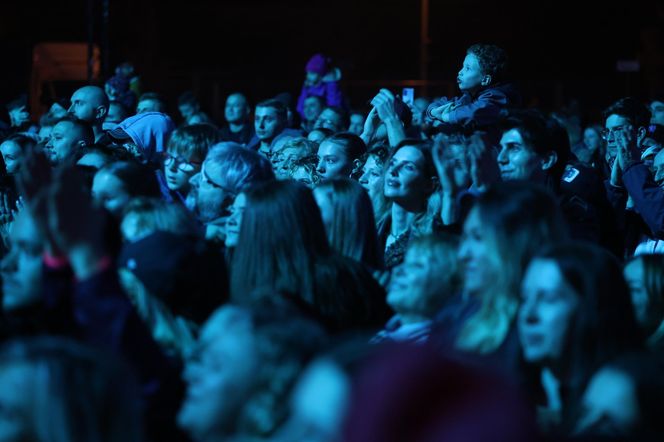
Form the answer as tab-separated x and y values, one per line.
349	222
575	316
70	136
318	135
339	156
185	151
595	148
420	287
143	216
293	149
333	118
150	102
485	92
102	401
237	113
144	136
409	181
356	125
13	149
388	120
270	120
190	109
303	170
90	104
116	114
227	170
322	80
372	178
312	108
656	107
645	277
117	183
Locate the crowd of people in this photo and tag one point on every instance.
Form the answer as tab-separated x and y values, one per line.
438	269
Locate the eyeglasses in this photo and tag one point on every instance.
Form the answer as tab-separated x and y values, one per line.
182	164
606	133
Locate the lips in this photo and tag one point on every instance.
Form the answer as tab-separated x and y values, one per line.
393	183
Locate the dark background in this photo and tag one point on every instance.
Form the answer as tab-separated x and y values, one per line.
560	51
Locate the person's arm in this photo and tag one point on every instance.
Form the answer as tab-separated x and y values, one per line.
648	197
384	105
448	190
333	94
483	110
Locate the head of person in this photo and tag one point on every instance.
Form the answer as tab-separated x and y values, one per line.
144	136
35	372
575	314
420	105
13	148
340	156
319	135
455	150
188	105
293	149
150	102
356	122
622	400
333	118
261	352
303	170
97	156
46	123
428	276
116	114
280	216
645	277
372	170
143	216
228	168
270	119
658	168
89	104
592	139
316	68
185	151
506	227
19	115
657	111
410	175
349	221
236	109
483	66
532	148
68	137
312	108
115	184
21	268
627	116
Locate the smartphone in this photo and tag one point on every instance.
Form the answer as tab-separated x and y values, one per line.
408	95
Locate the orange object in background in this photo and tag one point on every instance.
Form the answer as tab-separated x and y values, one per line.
59	62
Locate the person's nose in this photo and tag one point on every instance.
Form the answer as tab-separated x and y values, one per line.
364	179
321	167
502	156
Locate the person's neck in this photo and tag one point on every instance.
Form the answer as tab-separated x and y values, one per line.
551	385
402	219
98	131
265	147
236	127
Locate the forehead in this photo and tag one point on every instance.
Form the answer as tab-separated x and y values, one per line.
10	146
634	269
266	111
329	114
330	148
615	120
512	136
312	100
104	181
63	127
81	95
472	61
409	153
371	162
543	274
356	118
240	200
235	100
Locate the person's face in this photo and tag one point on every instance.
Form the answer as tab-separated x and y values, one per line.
11	154
333	162
316	136
313	78
109	192
658	168
404	176
282	159
57	111
474	255
457	153
19	116
408	292
236	110
131	227
219	375
323	198
616	123
516	160
329	119
648	312
657	113
187	110
609	406
591	139
21	268
115	114
63	143
147	106
178	170
82	106
372	176
311	109
234	222
470	76
548	306
211	198
267	123
356	124
15	406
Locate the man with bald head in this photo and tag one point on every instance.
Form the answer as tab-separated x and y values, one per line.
236	112
90	104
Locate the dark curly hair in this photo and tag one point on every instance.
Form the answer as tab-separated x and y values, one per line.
492	60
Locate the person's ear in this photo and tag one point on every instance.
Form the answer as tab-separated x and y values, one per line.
640	135
549	160
486	80
101	112
81	144
357	165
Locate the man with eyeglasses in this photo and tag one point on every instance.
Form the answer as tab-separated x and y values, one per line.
228	169
626	123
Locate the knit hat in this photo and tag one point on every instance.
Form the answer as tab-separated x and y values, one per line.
318	64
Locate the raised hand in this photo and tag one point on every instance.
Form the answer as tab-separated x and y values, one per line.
384	105
444	168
